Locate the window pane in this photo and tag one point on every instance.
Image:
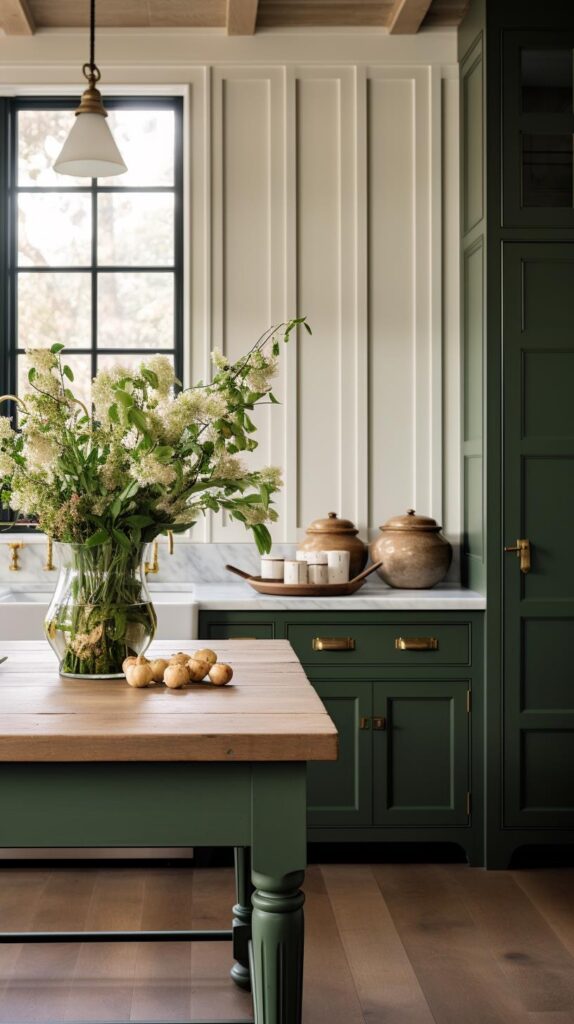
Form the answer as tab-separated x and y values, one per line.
132	362
135	310
81	368
54	307
145	139
135	230
547	170
547	81
54	230
41	135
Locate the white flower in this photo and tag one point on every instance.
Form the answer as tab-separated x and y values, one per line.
271	475
261	372
149	471
103	389
41	359
220	361
7	467
163	369
6	431
41	452
229	467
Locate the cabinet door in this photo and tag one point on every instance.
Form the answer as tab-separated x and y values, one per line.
421	753
339	792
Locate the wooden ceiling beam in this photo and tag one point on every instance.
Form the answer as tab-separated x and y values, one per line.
241	17
407	16
16	18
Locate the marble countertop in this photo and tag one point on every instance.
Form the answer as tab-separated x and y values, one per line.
374	596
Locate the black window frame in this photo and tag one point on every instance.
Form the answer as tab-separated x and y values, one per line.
9	191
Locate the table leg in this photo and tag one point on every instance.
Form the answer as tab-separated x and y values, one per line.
242	917
279	857
278	949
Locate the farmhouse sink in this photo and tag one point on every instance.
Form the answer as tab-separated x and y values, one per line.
22	614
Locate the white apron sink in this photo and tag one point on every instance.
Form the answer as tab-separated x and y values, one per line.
22	614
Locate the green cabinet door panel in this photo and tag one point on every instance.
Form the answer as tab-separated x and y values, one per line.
339	792
421	756
538	325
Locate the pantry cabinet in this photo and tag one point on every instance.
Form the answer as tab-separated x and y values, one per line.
405	692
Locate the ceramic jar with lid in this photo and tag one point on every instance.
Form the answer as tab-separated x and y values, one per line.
334	534
413	553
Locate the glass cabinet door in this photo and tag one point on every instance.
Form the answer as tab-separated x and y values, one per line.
538	123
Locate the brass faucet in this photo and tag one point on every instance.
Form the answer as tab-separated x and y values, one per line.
152	567
15	547
49	563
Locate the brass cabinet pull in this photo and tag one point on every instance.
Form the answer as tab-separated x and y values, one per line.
364	723
416	643
333	643
379	723
522	549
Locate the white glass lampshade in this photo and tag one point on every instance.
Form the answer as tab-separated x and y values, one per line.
90	150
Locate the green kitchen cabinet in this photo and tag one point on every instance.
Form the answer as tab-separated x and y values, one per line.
340	792
399	688
517	248
421	744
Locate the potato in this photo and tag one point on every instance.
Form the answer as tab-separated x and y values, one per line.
220	674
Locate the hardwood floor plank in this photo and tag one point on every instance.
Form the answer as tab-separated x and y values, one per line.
38	988
528	951
386	983
337	1001
213	993
20	895
456	971
552	893
103	980
163	972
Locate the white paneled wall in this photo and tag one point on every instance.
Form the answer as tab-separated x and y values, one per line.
322	180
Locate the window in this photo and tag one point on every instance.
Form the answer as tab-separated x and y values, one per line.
94	264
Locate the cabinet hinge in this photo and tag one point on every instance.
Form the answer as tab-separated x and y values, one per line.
468	701
468	805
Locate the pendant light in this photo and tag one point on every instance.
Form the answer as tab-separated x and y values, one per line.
90	150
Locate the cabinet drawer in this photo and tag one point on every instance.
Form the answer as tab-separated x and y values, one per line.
239	630
400	645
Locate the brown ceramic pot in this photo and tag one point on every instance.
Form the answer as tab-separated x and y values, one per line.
413	553
334	534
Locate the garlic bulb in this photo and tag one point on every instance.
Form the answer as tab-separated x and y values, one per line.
176	676
139	674
220	674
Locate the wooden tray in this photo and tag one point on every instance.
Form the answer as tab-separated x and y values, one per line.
278	589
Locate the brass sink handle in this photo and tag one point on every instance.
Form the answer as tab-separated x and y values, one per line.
49	563
15	547
523	552
152	567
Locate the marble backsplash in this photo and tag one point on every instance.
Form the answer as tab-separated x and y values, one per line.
191	562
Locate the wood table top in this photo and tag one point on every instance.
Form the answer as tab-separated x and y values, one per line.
269	712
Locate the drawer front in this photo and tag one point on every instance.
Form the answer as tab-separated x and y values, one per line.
401	645
238	630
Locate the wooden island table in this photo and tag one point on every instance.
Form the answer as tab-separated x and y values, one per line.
95	763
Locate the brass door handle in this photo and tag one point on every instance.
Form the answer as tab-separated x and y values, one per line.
416	643
379	723
333	643
523	551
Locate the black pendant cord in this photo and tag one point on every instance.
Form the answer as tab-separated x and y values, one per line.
92	34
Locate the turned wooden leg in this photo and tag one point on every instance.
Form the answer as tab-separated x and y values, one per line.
242	917
277	927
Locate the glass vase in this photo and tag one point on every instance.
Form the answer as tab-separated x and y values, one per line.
101	610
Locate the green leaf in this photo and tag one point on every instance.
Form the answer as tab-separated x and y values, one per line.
32	374
124	397
57	347
114	414
138	419
99	537
272	399
67	371
139	520
307	328
121	538
116	507
164	453
149	376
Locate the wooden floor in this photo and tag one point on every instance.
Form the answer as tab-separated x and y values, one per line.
395	944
